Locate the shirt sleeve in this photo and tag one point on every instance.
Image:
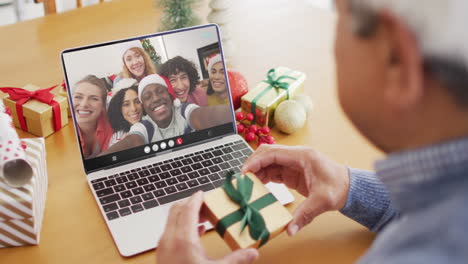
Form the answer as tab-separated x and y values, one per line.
140	130
188	111
368	201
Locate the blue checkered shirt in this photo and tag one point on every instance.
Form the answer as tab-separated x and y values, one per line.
417	201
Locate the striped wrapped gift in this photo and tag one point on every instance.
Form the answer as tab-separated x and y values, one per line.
22	209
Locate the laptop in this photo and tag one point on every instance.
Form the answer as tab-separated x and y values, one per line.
135	186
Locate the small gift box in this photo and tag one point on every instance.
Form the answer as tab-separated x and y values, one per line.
3	95
22	209
244	212
62	91
281	84
35	110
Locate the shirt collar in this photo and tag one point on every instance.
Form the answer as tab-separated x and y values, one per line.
409	175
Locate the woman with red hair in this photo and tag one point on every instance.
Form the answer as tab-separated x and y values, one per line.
136	62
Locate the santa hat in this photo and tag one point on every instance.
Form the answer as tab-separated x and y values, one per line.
124	84
123	47
213	60
155	79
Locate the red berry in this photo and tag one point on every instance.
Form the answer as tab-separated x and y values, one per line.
250	116
253	129
262	120
265	130
269	139
249	137
239	116
260	143
240	128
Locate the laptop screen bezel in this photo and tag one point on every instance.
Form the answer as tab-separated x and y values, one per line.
134	154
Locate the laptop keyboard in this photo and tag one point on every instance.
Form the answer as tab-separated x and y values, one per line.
143	188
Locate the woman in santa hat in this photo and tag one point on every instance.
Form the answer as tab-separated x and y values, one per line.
136	62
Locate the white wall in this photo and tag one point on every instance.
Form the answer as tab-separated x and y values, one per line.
103	61
326	4
185	44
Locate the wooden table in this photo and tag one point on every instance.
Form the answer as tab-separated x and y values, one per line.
270	34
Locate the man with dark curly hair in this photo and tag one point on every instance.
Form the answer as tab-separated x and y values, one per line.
184	78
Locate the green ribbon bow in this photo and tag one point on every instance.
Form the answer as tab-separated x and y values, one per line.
249	214
273	83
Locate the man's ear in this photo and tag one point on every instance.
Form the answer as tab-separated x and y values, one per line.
404	84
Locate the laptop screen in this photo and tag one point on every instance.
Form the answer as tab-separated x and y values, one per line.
140	97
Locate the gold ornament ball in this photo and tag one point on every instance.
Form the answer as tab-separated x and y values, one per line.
290	116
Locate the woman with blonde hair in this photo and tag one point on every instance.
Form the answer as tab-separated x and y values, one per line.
89	104
137	64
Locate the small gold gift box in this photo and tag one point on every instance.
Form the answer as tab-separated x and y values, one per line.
62	91
228	216
38	116
281	84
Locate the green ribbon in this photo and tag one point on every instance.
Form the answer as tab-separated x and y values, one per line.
273	83
248	214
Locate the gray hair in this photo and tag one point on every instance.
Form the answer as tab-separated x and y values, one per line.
441	60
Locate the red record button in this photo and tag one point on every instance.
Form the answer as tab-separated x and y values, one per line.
179	141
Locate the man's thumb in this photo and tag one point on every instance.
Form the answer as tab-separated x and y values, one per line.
241	256
303	215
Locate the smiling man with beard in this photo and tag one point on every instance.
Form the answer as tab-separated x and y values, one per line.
167	117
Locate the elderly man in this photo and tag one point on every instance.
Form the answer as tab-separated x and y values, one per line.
411	59
167	117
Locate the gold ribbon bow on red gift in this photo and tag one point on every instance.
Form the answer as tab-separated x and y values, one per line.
21	96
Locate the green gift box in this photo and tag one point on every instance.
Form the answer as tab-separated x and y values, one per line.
281	84
244	212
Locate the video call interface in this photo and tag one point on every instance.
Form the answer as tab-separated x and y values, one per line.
138	92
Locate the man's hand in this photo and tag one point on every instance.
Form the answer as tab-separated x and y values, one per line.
180	242
324	182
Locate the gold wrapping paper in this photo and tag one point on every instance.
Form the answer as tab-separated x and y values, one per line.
217	205
22	209
3	95
267	103
60	90
38	115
